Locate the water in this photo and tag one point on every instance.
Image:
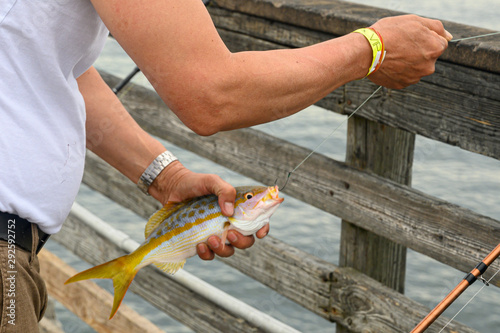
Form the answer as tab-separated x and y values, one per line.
449	173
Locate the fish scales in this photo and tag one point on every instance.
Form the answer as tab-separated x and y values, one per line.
176	237
173	232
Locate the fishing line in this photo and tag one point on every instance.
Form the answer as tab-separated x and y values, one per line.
326	138
359	107
479	36
485	284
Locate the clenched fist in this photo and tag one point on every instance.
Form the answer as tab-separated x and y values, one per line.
413	45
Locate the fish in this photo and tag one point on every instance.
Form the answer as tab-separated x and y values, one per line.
172	233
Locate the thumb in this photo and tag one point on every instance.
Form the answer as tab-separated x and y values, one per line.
226	194
226	201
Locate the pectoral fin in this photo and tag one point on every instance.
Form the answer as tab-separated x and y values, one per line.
170	267
157	218
224	234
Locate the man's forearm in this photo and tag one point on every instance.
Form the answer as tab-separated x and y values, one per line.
211	89
111	131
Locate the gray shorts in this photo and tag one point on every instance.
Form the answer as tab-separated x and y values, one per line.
24	294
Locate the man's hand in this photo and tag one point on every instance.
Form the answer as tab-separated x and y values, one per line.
177	183
413	45
214	244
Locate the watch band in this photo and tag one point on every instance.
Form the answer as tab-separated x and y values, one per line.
154	169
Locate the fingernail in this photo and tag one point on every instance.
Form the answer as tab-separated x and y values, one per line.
262	234
448	35
202	248
231	236
229	208
214	243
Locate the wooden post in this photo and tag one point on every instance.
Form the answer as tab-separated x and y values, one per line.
388	152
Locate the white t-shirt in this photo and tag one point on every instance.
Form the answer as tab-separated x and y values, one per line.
44	46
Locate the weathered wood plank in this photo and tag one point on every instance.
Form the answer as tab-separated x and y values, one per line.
388	152
337	294
88	301
301	277
48	326
342	17
462	119
457	105
280	34
446	232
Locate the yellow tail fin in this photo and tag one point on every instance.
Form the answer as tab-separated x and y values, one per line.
121	270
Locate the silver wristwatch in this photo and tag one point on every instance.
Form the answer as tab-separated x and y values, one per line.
154	169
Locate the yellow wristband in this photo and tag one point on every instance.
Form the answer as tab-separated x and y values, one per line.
378	49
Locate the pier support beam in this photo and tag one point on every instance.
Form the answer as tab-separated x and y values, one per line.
387	152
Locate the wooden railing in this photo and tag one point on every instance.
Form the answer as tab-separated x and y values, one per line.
371	191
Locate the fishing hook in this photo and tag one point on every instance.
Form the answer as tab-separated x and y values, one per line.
286	181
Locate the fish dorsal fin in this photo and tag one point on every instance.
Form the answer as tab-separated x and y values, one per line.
170	267
157	218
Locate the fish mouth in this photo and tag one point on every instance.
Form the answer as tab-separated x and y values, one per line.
273	194
271	198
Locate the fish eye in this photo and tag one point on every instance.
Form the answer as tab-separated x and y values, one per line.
249	195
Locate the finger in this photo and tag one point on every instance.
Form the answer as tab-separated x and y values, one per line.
240	241
448	36
438	27
434	25
222	250
263	231
226	194
204	252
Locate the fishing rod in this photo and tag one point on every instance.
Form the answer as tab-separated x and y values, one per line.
126	80
468	280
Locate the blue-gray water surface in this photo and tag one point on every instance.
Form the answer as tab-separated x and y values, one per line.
449	173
